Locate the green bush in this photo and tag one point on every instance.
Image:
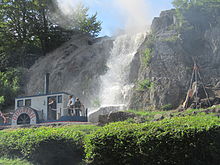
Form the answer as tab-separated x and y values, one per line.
180	140
10	83
145	84
45	145
146	58
171	39
5	161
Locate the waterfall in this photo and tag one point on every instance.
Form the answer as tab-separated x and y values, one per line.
115	87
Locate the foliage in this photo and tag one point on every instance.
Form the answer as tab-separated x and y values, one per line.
10	83
147	56
150	41
166	107
80	20
173	38
2	100
180	140
33	143
190	3
197	14
28	29
147	114
145	84
6	161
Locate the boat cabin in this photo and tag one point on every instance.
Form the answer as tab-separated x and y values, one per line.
47	107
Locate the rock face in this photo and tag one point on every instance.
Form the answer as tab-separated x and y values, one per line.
161	69
75	68
94	116
115	117
173	52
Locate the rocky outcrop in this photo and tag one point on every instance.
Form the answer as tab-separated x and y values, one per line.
75	68
115	117
94	116
173	52
167	66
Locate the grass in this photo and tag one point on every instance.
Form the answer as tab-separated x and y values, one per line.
149	115
6	161
83	128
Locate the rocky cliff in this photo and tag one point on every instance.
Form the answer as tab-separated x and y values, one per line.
161	69
75	68
167	56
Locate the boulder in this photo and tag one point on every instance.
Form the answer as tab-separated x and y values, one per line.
94	116
120	116
103	119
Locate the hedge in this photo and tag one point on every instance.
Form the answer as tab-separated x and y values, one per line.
5	161
180	140
45	145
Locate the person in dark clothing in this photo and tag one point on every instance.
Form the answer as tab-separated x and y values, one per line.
77	106
70	105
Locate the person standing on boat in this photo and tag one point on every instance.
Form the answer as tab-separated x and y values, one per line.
70	105
77	106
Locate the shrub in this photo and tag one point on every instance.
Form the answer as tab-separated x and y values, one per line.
5	161
46	145
10	83
180	140
171	39
145	84
147	56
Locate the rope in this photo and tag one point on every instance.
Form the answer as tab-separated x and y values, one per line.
204	89
198	77
196	80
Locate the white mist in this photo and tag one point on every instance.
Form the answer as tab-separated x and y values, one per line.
115	86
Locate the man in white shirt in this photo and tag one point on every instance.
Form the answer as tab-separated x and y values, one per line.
70	105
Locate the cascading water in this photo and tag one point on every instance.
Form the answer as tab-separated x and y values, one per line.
115	86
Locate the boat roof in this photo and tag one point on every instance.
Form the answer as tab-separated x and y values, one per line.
49	94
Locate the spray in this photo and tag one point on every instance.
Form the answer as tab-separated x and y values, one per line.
115	84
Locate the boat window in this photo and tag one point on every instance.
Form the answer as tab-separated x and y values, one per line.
60	99
20	103
28	102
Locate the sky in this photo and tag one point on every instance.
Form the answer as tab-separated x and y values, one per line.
118	15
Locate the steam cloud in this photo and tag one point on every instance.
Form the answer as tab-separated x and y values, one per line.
133	14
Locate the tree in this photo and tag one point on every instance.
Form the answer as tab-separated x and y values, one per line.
29	29
200	14
78	20
184	4
10	83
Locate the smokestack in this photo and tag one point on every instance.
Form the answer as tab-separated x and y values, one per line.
46	83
